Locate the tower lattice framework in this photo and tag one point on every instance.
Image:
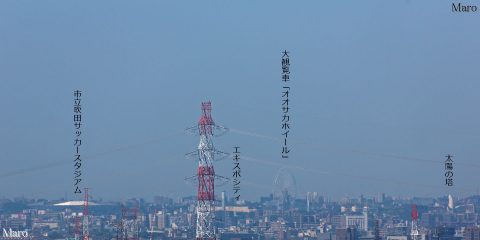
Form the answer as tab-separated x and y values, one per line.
206	154
414	231
86	233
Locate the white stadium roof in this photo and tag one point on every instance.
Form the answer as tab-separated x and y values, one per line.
74	203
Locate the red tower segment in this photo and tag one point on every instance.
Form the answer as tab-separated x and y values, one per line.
414	232
414	212
206	176
205	122
206	183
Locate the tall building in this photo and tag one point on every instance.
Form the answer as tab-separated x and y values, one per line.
471	233
161	220
238	236
358	221
469	208
450	203
365	215
444	233
312	197
349	233
151	221
278	229
397	238
223	200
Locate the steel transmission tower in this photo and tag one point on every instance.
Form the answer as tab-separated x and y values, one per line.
206	154
84	220
86	233
414	232
128	227
77	226
376	230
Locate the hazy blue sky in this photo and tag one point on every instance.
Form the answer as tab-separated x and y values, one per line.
381	92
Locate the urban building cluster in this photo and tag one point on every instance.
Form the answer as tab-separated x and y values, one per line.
311	217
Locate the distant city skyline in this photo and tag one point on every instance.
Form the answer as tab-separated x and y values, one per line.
312	218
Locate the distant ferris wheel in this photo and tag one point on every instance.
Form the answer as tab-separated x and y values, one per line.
284	186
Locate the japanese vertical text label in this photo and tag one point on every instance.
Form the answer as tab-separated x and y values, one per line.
236	173
285	107
77	122
449	171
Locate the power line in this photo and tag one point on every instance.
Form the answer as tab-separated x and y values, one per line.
363	152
